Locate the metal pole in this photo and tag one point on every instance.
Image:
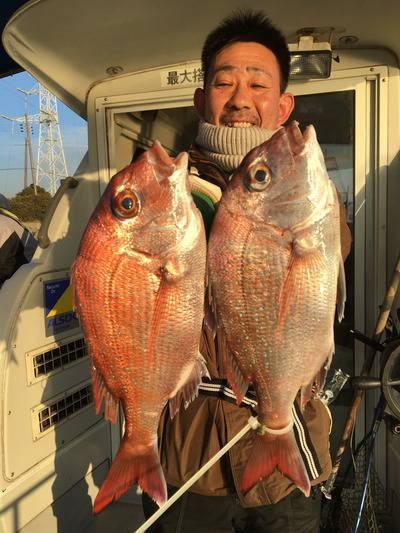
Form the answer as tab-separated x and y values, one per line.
28	139
252	423
26	164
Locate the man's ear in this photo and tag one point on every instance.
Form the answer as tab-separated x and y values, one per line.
199	102
286	105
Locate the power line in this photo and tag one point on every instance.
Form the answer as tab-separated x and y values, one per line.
26	125
25	122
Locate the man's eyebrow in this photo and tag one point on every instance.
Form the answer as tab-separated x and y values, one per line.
232	68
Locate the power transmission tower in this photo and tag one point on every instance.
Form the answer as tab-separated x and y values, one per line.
26	125
51	165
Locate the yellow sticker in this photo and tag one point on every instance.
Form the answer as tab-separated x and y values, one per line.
63	304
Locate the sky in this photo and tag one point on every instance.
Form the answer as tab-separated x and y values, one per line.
73	131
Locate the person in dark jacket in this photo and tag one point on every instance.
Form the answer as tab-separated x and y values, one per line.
244	101
17	245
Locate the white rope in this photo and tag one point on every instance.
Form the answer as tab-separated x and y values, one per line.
252	423
262	430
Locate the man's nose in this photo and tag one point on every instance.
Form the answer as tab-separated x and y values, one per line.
240	97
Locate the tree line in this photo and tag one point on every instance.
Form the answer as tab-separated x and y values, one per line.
28	206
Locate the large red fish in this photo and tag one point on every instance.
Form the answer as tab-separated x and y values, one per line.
275	263
138	283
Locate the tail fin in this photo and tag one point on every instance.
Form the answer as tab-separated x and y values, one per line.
132	465
270	451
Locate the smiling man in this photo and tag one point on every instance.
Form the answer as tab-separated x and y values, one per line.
246	68
243	89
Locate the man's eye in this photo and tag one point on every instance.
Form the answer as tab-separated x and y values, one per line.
258	86
224	82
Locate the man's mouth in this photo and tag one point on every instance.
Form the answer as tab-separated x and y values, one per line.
239	124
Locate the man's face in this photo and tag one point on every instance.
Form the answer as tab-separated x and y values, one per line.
243	89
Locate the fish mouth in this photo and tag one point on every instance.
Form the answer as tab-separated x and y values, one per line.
296	139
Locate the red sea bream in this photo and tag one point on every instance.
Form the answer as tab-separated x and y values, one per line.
276	277
138	284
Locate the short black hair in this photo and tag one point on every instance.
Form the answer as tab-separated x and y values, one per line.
247	26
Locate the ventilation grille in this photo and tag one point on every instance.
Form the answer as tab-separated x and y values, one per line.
56	358
48	416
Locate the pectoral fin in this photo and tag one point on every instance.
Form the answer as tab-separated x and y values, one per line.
235	377
188	392
162	304
102	392
301	270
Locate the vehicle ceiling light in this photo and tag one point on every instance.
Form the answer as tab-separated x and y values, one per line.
310	60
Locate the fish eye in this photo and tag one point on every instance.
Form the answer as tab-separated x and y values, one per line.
259	178
126	204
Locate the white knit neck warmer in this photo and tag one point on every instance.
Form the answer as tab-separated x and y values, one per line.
228	146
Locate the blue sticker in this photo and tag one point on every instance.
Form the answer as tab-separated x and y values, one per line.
58	312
